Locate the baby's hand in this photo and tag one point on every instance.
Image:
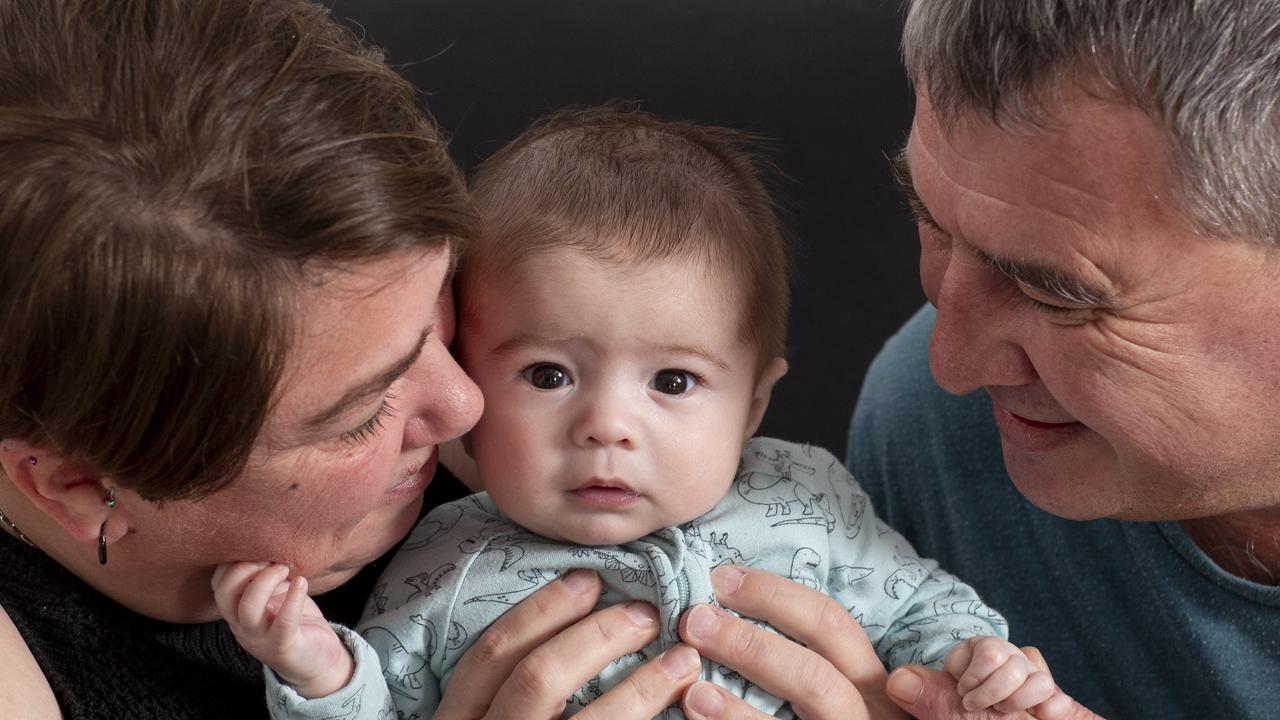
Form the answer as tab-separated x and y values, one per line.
275	620
992	672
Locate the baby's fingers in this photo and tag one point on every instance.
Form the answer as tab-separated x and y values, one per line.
284	629
252	608
1001	684
1036	689
229	582
986	655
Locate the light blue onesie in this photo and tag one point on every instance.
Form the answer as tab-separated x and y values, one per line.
792	510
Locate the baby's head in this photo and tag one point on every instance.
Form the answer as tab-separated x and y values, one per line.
624	314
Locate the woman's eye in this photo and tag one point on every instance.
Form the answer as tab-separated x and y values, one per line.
373	425
674	382
546	376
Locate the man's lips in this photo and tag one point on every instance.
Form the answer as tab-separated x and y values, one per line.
1034	435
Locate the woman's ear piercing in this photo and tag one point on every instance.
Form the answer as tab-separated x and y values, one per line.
31	460
110	502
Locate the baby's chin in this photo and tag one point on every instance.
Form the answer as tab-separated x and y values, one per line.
596	532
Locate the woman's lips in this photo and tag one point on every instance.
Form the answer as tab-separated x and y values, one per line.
417	481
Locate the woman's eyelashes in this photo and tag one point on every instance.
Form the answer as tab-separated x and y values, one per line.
668	381
370	428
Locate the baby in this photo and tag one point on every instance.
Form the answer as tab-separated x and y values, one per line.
624	314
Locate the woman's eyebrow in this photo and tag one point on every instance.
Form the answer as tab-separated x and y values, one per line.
373	386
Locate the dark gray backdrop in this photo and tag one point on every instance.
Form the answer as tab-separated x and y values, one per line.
820	77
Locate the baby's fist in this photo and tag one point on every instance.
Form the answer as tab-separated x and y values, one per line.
991	672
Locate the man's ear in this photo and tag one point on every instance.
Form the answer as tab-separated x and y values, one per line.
763	391
70	492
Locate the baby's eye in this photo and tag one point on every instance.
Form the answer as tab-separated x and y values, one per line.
547	376
674	382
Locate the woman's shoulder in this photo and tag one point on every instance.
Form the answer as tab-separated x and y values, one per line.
24	691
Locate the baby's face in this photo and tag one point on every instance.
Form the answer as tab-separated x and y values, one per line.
617	399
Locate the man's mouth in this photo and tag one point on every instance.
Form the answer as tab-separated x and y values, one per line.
1034	435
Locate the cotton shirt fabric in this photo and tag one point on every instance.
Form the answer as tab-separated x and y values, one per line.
792	509
1132	617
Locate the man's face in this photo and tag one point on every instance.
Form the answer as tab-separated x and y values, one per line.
617	397
368	392
1134	367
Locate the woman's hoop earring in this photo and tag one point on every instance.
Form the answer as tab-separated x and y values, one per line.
102	544
110	502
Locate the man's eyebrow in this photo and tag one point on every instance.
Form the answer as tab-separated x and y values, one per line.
373	386
902	178
1049	280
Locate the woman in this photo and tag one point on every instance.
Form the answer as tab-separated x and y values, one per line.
227	235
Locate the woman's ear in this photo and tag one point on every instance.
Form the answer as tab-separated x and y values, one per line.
768	377
72	493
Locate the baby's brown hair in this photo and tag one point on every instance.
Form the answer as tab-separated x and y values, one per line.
621	185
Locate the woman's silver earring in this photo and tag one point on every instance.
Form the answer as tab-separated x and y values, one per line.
110	502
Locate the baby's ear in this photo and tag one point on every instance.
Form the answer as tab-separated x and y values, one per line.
768	377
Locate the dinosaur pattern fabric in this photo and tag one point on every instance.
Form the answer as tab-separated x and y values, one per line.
793	510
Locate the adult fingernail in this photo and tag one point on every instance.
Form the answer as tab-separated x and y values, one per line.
703	699
703	622
580	581
641	614
680	661
905	686
726	579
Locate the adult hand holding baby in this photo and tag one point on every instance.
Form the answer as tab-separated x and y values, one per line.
830	671
547	646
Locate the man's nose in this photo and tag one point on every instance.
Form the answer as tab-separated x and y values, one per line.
975	340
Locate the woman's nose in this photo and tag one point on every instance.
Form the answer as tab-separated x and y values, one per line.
446	402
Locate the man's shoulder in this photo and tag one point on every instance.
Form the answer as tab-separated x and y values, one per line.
902	416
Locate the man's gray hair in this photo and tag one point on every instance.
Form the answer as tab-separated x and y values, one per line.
1208	71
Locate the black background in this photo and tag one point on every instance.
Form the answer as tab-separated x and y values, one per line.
820	77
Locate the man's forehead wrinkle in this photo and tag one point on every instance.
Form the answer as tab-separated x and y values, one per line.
972	200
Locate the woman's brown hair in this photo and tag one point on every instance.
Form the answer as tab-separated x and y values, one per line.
172	172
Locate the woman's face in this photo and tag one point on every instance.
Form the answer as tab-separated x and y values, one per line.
336	478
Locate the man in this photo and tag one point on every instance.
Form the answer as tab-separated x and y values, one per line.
1097	187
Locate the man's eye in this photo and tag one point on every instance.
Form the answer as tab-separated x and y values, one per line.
546	376
673	382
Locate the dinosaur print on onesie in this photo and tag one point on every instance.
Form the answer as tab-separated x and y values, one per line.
792	510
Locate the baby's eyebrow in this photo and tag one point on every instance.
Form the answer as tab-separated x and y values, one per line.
525	341
694	351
